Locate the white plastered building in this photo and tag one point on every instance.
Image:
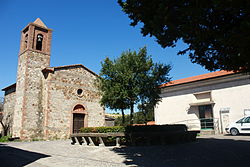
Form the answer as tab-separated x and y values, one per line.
207	102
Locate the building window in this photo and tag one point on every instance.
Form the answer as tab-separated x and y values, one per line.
79	92
39	42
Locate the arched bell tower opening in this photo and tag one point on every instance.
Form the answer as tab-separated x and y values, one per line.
79	118
39	42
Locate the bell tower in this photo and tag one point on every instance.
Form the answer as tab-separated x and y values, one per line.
34	56
36	37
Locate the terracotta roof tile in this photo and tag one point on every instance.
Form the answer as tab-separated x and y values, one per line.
198	78
151	123
148	123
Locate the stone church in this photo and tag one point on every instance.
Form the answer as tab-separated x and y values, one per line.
49	102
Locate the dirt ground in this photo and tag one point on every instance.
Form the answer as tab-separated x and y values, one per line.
206	151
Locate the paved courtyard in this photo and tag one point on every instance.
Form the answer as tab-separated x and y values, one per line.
207	151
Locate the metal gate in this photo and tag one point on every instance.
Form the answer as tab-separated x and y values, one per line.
206	117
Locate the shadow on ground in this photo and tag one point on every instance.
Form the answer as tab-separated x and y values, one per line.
14	157
204	152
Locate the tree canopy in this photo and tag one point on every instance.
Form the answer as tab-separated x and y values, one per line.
132	79
139	118
216	31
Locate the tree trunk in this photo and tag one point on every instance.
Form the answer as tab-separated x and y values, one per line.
123	117
2	127
5	129
131	113
144	113
145	117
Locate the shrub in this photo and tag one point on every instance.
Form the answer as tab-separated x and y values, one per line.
156	128
4	138
141	134
113	129
155	134
109	140
132	129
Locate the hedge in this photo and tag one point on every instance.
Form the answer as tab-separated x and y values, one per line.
141	134
4	139
156	128
113	129
131	129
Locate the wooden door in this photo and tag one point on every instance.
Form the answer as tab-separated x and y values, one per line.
78	122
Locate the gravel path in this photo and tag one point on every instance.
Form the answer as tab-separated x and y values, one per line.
60	153
207	151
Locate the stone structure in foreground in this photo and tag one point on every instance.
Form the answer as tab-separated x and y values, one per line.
49	102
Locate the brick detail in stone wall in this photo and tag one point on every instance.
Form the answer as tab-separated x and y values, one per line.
28	110
29	38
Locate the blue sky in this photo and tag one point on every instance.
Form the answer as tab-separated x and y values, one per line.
84	32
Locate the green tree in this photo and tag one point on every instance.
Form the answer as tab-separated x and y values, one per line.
139	118
124	80
215	31
113	95
120	122
149	94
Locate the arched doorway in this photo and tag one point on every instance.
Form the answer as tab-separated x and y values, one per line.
79	118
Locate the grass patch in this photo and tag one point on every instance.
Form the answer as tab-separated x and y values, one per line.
4	139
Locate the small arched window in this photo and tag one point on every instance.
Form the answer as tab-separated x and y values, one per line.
39	42
26	41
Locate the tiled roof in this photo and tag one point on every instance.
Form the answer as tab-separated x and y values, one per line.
151	123
9	87
198	78
148	123
51	69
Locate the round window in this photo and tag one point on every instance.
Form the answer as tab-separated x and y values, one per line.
79	91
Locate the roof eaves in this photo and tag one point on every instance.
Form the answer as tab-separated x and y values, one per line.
172	83
52	69
9	87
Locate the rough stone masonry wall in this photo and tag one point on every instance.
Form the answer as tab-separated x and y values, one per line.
29	110
61	97
20	81
9	106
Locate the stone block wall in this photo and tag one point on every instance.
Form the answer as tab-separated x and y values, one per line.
43	104
61	97
28	115
21	71
9	106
